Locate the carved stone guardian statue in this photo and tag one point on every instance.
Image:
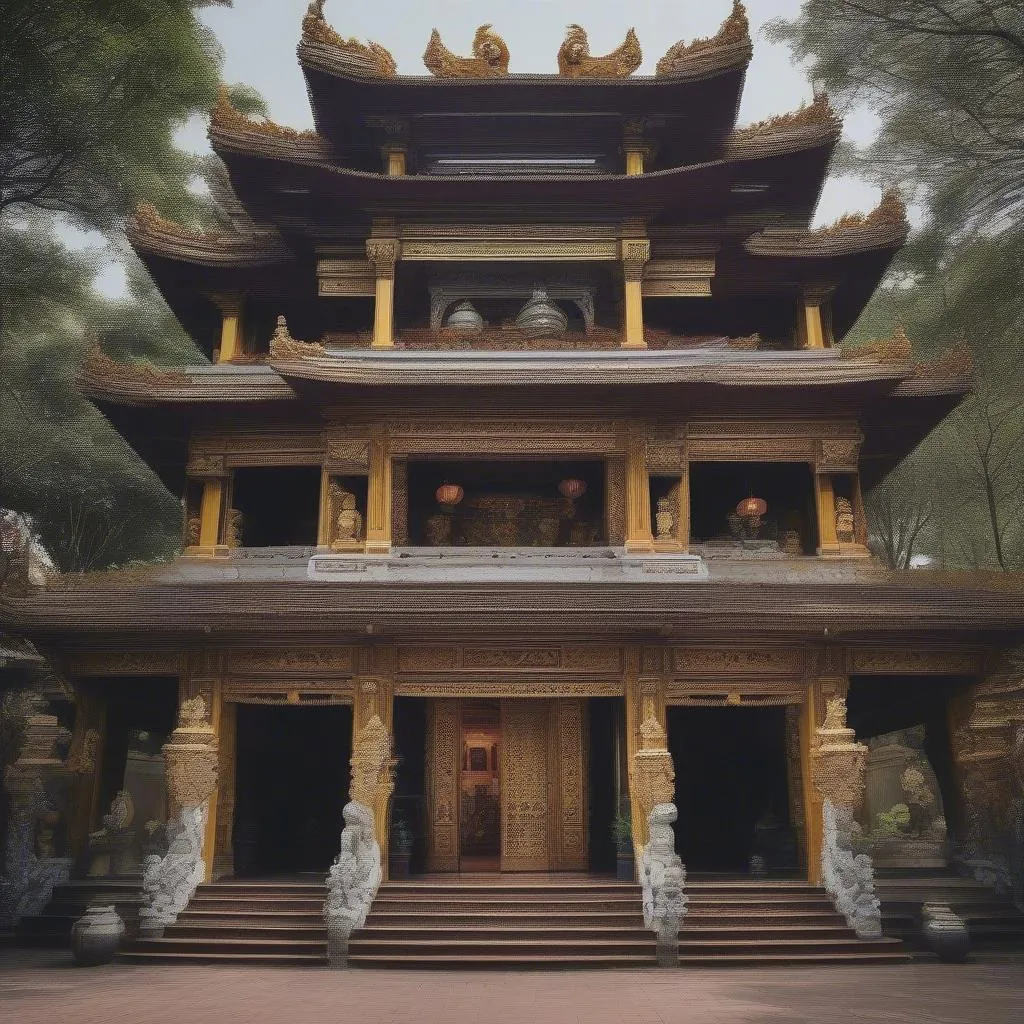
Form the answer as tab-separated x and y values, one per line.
348	521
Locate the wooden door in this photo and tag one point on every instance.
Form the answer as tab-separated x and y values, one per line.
524	785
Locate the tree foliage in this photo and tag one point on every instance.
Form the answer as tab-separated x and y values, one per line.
92	94
946	78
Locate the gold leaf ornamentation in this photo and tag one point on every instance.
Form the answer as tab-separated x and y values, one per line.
575	61
490	57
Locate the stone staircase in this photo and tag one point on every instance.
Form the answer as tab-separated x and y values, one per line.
505	924
240	922
52	927
509	923
760	922
992	919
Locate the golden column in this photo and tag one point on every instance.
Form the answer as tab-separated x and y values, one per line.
230	305
639	537
378	501
395	156
635	254
635	148
383	256
814	323
828	539
210	514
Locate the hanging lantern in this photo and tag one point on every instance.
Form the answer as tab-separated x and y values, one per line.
752	508
572	489
449	494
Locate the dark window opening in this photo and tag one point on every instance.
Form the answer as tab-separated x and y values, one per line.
326	320
508	504
604	718
791	521
409	800
280	505
773	318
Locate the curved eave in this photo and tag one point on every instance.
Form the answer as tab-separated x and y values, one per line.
724	368
790	166
224	383
827	244
707	608
211	251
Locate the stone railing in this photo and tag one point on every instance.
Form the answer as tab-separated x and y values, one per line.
169	882
353	880
35	785
662	875
357	871
838	766
663	879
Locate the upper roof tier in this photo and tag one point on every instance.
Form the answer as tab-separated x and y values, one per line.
473	105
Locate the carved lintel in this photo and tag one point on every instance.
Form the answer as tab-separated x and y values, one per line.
839	455
204	466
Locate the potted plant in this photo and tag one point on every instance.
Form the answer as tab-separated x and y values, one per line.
399	849
622	830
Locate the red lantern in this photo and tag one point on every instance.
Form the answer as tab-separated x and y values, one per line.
752	508
449	494
572	489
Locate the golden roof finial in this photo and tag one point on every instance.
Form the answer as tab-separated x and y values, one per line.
490	57
735	29
369	57
574	60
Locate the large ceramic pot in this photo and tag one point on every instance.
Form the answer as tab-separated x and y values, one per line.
96	936
541	317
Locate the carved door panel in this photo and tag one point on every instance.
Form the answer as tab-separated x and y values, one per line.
442	785
568	761
524	785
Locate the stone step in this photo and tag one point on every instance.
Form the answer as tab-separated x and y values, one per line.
233	944
688	945
433	946
249	929
793	959
553	931
502	961
248	959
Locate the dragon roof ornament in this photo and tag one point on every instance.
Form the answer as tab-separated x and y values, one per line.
575	61
490	57
735	30
819	112
367	58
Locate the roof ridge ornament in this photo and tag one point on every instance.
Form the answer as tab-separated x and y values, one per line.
490	57
818	112
227	117
891	212
575	61
366	58
284	346
735	30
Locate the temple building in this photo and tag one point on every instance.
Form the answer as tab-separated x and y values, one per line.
522	499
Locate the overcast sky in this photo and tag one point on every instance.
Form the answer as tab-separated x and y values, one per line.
259	39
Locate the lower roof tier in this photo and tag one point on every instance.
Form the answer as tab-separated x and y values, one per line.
804	598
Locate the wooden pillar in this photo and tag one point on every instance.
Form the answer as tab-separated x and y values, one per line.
230	305
684	509
86	760
383	256
813	331
860	515
223	846
210	838
211	513
635	254
828	540
639	537
378	501
819	690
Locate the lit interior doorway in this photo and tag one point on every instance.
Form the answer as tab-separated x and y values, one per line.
480	787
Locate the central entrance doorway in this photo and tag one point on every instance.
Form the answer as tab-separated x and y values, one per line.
292	781
732	789
507	784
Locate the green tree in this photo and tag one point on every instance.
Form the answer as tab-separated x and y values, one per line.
946	78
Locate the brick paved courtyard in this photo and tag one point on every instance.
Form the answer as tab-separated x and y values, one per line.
44	987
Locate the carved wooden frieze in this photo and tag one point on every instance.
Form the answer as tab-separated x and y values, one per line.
293	661
524	786
125	663
518	658
701	662
531	688
443	724
570	823
502	436
897	662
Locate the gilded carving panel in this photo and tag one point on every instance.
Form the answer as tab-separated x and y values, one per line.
705	661
125	663
571	819
524	785
884	662
295	661
442	785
